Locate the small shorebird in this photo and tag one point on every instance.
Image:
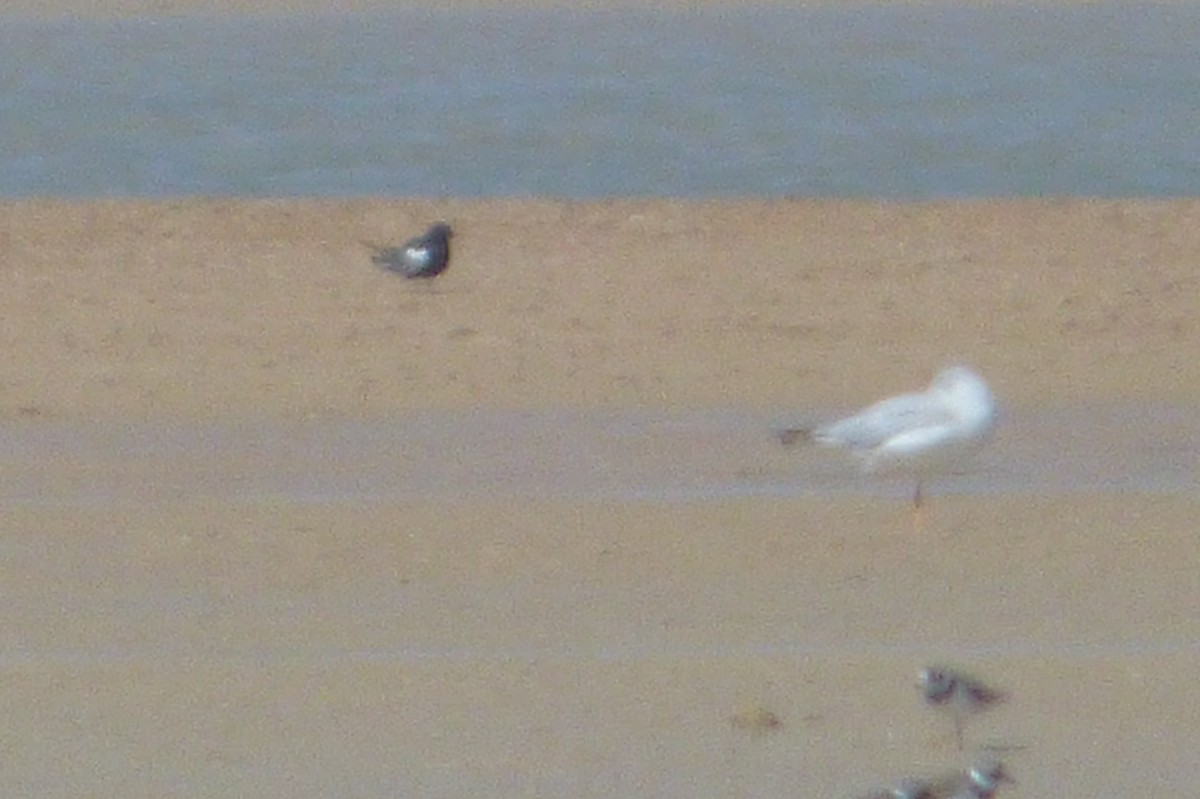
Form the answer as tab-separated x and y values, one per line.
956	693
981	781
423	256
917	434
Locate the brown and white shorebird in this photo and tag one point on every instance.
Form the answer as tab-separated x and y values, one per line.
956	693
981	781
917	434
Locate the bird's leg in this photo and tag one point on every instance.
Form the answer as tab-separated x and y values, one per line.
958	729
918	509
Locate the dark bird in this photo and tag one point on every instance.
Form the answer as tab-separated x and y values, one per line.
957	694
426	255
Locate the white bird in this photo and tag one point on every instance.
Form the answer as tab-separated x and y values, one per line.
917	434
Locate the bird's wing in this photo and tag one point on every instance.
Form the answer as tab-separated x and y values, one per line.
885	420
982	694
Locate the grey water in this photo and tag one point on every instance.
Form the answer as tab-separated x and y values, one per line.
627	456
904	100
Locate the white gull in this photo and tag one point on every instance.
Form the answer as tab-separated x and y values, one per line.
918	434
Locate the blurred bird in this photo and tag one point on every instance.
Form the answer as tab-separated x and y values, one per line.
426	255
982	781
958	694
917	434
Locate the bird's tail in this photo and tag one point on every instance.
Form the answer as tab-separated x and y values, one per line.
381	254
792	436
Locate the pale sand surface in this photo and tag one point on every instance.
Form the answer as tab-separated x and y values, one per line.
175	638
220	309
533	649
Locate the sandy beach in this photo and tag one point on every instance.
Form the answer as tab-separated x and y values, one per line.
233	309
174	635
